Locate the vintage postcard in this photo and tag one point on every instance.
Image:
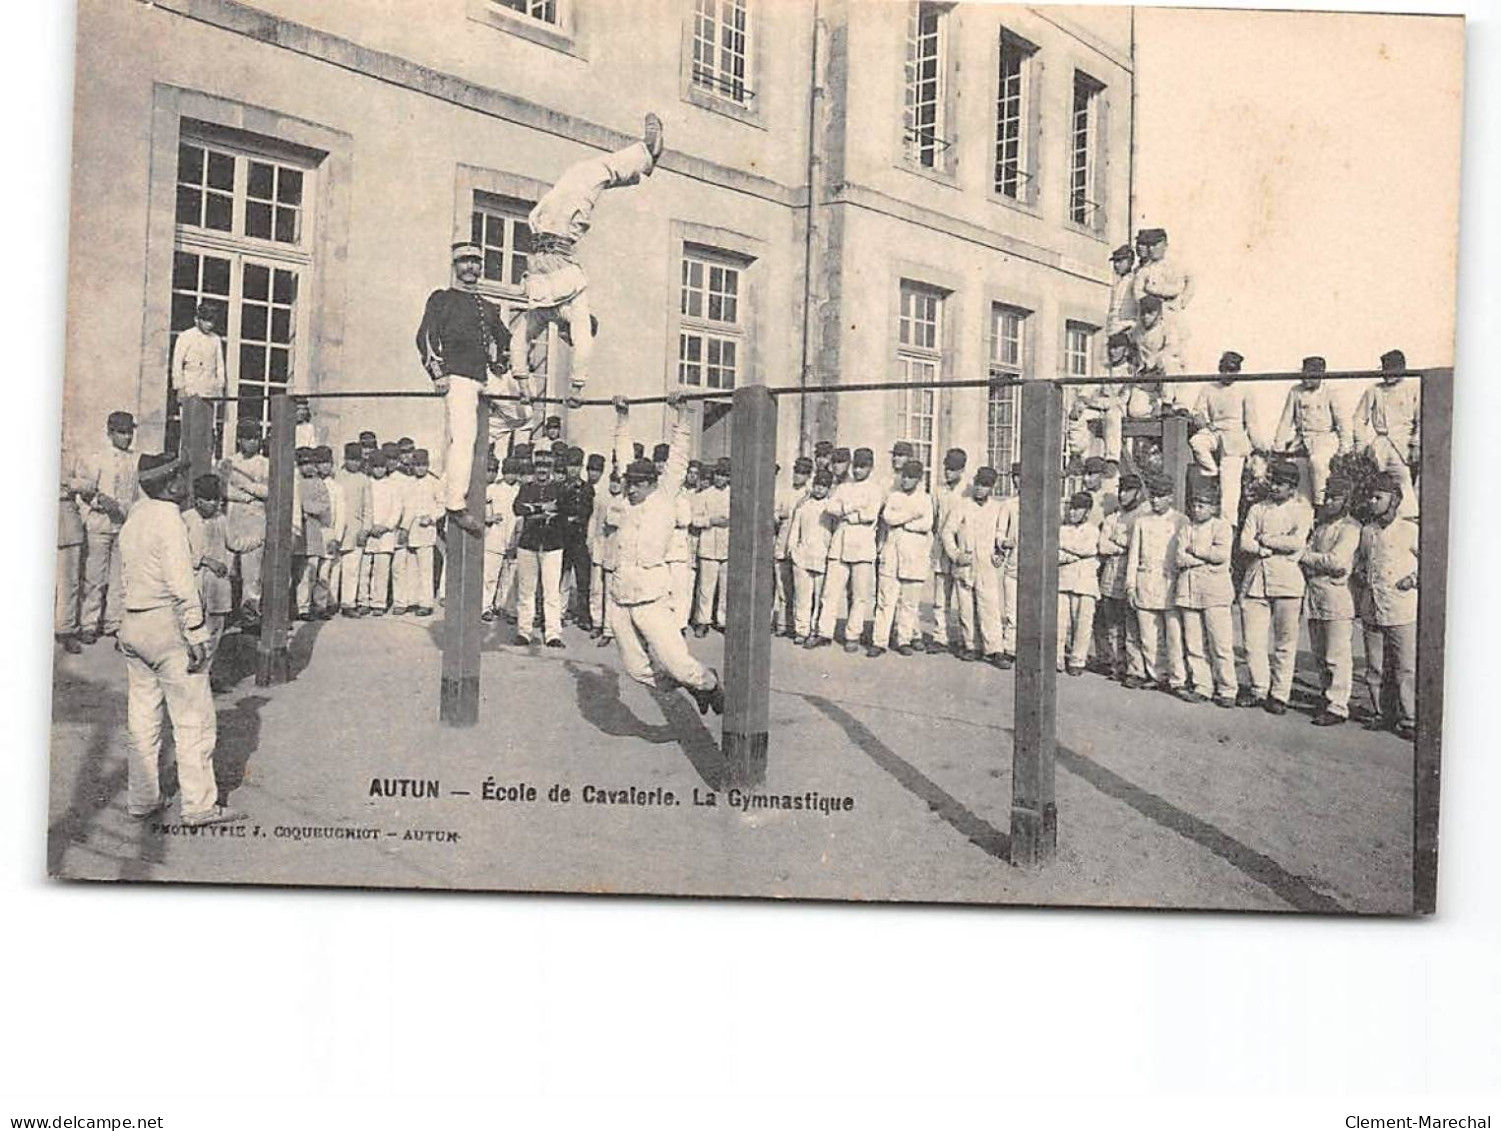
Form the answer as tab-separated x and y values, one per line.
824	449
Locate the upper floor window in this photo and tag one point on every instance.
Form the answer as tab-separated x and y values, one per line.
1083	189
712	322
1008	354
545	11
1014	132
1078	350
239	194
925	115
721	48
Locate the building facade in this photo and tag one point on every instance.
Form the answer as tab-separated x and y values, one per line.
851	191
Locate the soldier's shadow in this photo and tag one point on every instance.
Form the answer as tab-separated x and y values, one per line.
597	691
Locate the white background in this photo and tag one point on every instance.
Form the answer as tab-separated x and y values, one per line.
229	1008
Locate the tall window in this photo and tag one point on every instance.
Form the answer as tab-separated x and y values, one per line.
243	244
923	108
1083	195
1078	350
545	11
919	358
1013	118
711	332
721	46
1008	351
498	227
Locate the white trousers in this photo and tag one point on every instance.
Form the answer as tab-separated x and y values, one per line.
981	625
1271	624
1402	639
860	579
1008	613
351	573
713	603
69	589
544	567
1207	446
1162	632
601	599
946	607
576	315
1209	642
680	581
461	406
1313	469
101	582
1333	644
377	585
1387	458
650	633
1075	628
806	586
897	602
157	676
419	577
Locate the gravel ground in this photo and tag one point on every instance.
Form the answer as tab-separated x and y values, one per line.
1160	803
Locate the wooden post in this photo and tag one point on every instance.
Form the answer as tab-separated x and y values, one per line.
1175	458
1034	816
464	568
747	640
197	438
276	564
1433	548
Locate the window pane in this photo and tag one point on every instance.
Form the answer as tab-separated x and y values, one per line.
476	227
183	306
252	362
518	270
221	171
281	324
289	186
258	220
253	323
521	235
286	287
215	275
189	206
262	178
218	212
281	366
286	225
494	265
189	164
257	282
184	271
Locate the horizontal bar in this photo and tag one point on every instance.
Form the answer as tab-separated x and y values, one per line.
875	387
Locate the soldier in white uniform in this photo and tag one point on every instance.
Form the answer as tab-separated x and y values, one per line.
165	643
1328	603
970	537
198	358
1387	564
1386	425
247	480
1008	542
1205	595
70	543
105	484
556	287
1159	348
1078	583
500	539
857	505
1121	317
810	529
1121	634
887	583
1151	576
645	625
785	606
611	508
1225	433
424	509
1312	429
208	548
1274	537
354	486
386	501
712	606
946	500
1158	278
908	555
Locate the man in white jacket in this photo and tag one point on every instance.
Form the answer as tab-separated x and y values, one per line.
907	556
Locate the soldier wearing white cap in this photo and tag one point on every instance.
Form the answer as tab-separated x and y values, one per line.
1205	595
1225	429
461	341
104	482
1274	537
1312	429
1387	564
1328	603
907	555
1386	425
556	286
165	643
